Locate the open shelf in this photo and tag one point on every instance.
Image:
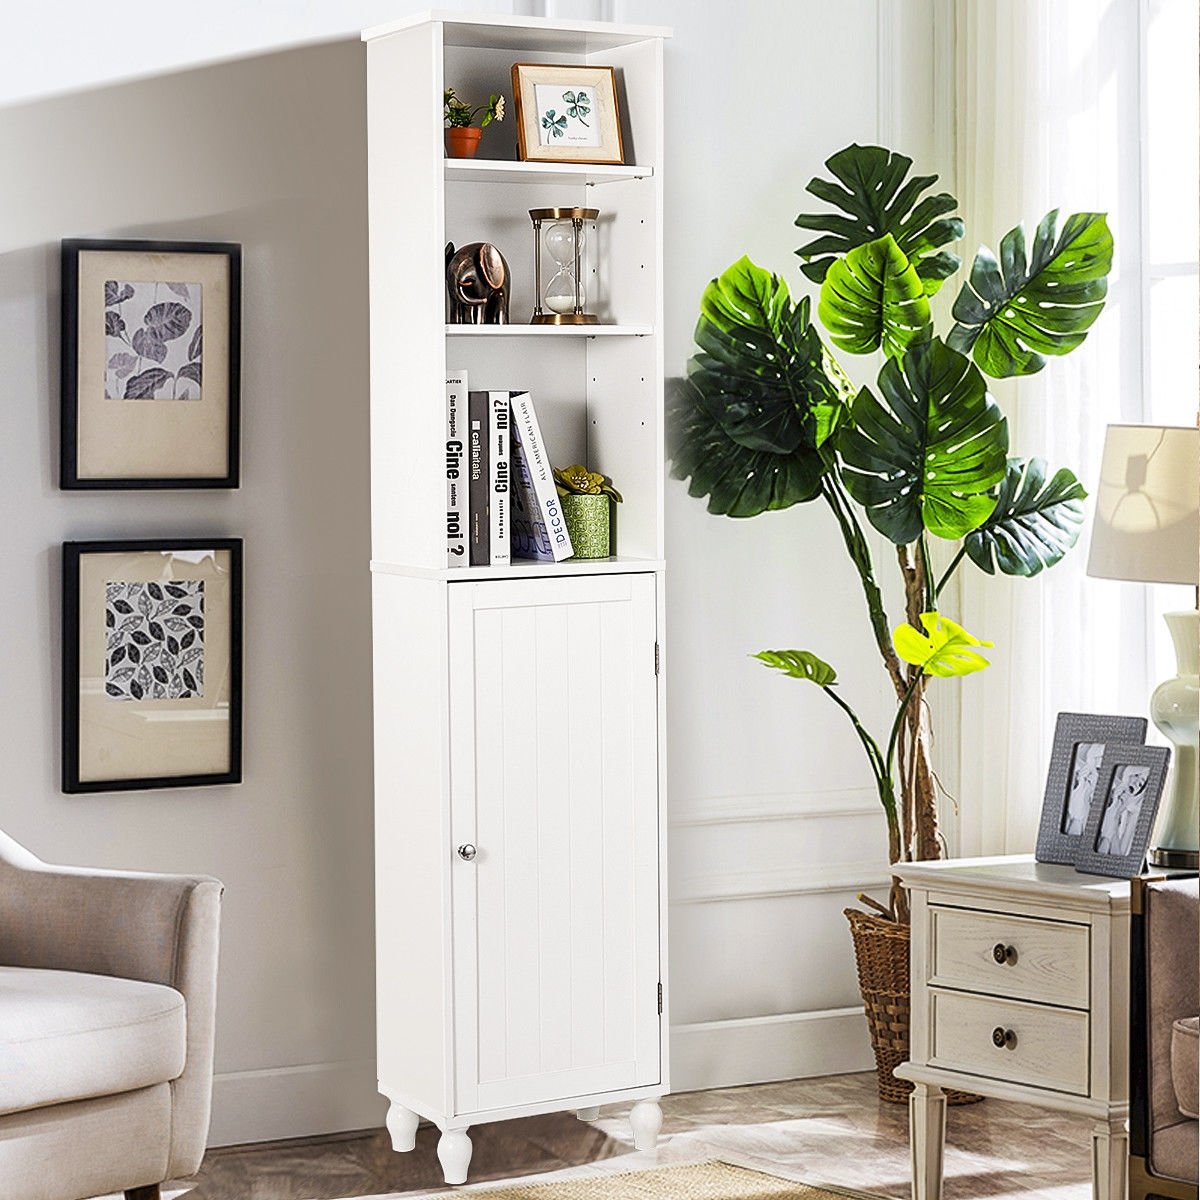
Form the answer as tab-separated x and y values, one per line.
524	569
492	170
552	331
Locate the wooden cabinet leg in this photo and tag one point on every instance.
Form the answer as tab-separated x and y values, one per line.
402	1125
1110	1160
927	1140
148	1192
454	1153
645	1119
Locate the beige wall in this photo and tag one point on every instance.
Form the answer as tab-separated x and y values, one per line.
268	152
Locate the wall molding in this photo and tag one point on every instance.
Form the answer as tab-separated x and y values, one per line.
788	881
799	1045
287	1102
777	806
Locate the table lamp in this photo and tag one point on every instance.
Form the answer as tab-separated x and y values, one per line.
1147	529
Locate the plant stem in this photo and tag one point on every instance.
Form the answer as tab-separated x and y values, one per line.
883	778
945	579
917	676
927	575
860	555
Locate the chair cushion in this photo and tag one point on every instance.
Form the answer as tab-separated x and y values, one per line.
68	1036
1185	1063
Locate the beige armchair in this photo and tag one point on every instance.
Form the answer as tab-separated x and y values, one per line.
107	996
1163	1064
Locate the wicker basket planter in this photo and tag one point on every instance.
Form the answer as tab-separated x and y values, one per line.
881	952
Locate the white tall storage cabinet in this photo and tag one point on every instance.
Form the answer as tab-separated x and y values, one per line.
519	768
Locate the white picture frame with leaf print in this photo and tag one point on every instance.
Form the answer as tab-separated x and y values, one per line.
567	114
151	336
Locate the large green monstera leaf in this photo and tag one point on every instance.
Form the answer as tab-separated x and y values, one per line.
1034	523
1013	311
945	649
872	191
929	455
874	297
747	422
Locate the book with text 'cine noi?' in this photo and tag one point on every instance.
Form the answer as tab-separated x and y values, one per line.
457	504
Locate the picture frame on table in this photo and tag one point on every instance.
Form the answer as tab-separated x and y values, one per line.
151	364
151	664
567	114
1118	831
1073	778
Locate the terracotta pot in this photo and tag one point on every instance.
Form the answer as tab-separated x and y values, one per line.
463	142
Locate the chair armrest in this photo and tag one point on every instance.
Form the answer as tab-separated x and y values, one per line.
121	923
157	928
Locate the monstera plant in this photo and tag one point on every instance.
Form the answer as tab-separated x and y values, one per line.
766	418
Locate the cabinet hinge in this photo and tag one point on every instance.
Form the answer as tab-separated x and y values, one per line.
660	999
657	659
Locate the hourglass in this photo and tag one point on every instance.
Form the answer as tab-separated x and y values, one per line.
562	299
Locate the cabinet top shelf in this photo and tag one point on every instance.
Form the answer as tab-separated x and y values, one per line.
492	31
500	171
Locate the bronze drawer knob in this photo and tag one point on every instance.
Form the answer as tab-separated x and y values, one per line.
1004	954
1002	1038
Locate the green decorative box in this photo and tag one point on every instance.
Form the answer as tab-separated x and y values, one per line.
589	522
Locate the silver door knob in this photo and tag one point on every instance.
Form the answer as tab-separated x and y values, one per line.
466	852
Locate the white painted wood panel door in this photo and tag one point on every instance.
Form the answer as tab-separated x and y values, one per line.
554	781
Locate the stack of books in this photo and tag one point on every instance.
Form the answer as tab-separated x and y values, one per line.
501	502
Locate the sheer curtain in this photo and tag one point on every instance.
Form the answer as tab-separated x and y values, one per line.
1050	114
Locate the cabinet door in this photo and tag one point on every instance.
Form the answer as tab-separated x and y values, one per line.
554	781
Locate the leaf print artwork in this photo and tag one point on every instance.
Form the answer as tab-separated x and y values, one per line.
554	125
567	114
152	340
579	104
142	661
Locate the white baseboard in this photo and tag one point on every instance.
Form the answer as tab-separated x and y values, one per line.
290	1102
715	1054
317	1098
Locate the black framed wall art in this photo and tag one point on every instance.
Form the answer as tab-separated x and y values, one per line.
151	364
152	664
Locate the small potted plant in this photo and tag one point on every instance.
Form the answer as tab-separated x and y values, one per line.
462	138
587	500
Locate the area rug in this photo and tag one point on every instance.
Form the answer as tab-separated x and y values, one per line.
691	1181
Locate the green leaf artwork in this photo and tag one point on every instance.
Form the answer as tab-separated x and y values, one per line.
553	123
1013	311
929	454
1035	521
872	191
945	649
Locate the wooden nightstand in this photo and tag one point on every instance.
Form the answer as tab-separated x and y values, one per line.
1020	983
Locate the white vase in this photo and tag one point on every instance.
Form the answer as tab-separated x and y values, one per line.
1175	709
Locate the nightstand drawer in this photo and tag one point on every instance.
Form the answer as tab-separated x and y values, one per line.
1010	956
1030	1044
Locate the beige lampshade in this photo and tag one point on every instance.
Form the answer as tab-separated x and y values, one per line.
1147	525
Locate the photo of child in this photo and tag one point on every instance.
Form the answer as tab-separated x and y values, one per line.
1119	824
1085	773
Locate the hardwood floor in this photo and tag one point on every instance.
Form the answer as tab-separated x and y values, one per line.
832	1130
